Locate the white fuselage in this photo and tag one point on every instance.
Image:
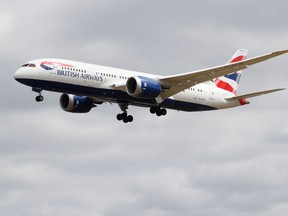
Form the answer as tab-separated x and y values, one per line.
106	84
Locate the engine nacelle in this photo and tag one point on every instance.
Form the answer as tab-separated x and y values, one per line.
75	104
143	87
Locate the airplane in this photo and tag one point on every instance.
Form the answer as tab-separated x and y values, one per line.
84	86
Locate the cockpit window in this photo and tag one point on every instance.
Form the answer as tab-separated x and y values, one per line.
32	65
29	65
25	65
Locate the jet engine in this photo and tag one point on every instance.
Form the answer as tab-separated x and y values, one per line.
76	104
143	87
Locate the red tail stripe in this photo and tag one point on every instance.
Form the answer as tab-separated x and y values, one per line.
238	58
223	85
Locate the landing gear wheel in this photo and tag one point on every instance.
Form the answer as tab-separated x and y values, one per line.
158	111
163	112
39	98
119	117
124	117
125	120
153	110
130	118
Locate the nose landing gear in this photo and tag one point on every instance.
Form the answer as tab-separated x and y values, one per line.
40	97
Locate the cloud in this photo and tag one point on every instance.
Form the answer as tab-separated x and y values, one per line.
229	162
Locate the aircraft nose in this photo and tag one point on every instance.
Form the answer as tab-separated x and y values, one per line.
17	75
20	75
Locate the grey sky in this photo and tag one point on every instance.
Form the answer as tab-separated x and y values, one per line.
228	162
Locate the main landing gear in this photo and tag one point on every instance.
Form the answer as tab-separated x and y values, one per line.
129	118
124	116
40	97
158	111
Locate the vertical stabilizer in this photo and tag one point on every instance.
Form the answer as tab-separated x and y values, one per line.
230	82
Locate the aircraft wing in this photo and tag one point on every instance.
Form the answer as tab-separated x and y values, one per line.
177	83
119	86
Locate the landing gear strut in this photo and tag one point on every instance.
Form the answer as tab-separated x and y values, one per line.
124	116
40	97
158	111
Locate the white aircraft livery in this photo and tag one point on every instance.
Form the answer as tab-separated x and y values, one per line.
84	86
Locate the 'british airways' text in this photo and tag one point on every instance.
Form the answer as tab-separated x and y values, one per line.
79	75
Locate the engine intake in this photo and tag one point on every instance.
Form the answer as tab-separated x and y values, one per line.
76	104
143	87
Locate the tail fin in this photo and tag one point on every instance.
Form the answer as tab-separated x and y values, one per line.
230	82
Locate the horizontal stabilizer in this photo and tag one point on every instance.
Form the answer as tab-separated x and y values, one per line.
254	94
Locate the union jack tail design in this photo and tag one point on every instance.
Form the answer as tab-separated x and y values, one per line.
230	82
